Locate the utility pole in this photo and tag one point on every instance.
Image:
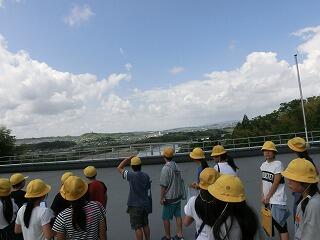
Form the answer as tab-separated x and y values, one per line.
302	104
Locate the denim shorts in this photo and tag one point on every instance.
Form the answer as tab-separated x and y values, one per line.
170	210
138	217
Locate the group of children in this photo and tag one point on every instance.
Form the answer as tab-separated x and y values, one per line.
218	207
77	211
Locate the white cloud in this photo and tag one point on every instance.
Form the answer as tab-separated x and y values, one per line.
78	15
37	100
2	2
177	70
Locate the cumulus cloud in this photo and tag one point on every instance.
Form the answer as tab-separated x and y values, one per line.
37	100
177	70
78	15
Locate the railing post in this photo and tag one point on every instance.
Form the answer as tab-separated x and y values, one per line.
280	139
311	136
151	150
249	142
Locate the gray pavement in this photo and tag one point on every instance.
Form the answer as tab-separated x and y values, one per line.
118	220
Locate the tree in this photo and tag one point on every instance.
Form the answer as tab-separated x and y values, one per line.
6	142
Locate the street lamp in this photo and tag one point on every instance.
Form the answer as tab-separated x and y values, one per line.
302	104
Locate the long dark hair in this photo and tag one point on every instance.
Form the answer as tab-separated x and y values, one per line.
205	207
7	208
29	207
305	155
204	164
214	213
312	189
226	158
79	218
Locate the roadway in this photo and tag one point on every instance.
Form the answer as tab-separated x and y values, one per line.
118	219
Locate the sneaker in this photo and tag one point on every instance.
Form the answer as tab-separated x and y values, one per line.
176	237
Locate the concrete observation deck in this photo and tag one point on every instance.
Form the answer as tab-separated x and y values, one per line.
118	219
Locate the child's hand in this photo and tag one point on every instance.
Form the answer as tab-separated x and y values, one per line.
194	185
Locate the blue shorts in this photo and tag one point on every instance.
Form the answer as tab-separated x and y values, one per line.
170	210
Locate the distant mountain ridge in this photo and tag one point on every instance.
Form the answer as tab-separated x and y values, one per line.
127	135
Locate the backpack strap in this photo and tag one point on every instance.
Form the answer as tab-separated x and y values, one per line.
200	230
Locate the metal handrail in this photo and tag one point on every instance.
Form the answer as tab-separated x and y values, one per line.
153	149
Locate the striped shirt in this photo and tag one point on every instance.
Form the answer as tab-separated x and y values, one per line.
95	215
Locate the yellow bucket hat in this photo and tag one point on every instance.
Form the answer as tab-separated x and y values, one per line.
5	187
301	170
17	178
168	152
65	176
90	171
37	188
297	144
207	177
217	151
197	153
73	188
269	146
135	161
228	188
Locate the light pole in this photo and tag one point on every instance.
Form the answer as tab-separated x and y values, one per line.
302	104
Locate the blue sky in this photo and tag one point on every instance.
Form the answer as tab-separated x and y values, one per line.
156	45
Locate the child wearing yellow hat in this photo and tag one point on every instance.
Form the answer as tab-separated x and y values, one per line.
198	156
229	217
139	199
8	211
18	182
224	163
298	145
302	177
59	203
34	220
83	219
273	191
198	207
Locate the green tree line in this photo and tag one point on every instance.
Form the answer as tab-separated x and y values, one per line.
288	118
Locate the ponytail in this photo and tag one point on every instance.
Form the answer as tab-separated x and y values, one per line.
28	211
79	218
7	208
230	161
305	155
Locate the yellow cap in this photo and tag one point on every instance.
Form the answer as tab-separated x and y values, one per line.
65	176
135	161
301	170
218	150
17	178
37	188
90	171
269	146
5	187
168	152
228	188
207	177
197	153
73	188
297	144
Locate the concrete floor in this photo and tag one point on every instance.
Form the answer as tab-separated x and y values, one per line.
118	220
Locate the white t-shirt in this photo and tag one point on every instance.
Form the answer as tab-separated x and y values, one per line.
207	231
268	171
3	221
225	168
40	216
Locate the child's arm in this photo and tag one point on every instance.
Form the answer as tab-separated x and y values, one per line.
273	189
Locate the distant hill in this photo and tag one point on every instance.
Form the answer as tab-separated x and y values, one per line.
123	138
